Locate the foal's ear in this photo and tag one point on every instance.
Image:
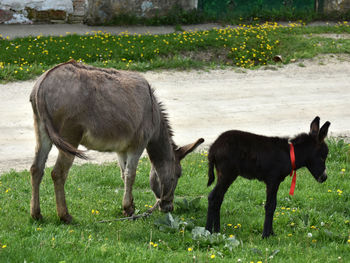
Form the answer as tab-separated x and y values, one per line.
315	126
323	131
184	150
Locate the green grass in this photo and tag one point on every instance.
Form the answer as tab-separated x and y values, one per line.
246	46
320	209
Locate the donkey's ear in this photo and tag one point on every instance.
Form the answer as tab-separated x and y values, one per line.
315	126
184	150
323	131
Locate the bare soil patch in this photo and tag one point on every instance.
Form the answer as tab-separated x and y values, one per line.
205	103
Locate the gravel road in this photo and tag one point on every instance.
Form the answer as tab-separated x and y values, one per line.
272	101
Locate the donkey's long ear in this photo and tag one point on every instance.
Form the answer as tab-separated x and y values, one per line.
315	126
323	131
184	150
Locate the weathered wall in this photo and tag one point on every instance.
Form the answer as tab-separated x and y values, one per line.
104	10
77	11
99	11
336	5
28	11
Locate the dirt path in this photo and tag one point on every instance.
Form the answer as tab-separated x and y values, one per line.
204	104
22	30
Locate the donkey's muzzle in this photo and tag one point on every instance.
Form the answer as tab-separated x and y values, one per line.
166	206
322	178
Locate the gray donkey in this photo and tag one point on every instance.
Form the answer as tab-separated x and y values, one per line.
104	110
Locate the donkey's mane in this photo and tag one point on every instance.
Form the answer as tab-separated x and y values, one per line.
165	118
300	138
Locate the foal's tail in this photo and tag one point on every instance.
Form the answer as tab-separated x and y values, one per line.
211	175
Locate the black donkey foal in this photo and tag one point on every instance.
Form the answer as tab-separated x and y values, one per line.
267	159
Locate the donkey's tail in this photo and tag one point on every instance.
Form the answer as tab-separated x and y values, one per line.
211	175
39	103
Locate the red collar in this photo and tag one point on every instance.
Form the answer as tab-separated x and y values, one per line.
292	160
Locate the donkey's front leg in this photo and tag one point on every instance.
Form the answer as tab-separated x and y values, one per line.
167	188
270	206
129	179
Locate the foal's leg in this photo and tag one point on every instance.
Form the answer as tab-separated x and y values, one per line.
270	206
43	147
216	198
59	175
129	179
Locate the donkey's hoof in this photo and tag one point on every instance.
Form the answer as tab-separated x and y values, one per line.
166	207
37	217
129	211
267	235
67	219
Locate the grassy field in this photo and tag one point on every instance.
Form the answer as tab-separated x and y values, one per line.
311	226
245	46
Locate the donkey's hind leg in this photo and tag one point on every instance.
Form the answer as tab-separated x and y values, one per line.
270	207
59	175
216	197
43	147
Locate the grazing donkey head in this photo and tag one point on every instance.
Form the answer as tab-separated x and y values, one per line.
167	189
104	110
268	159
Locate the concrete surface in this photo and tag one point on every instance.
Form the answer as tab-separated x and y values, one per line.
13	31
17	30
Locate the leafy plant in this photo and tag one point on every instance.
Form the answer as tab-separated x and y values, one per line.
185	205
170	224
204	238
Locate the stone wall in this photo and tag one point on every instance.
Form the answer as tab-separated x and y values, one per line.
103	10
100	11
78	11
28	11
